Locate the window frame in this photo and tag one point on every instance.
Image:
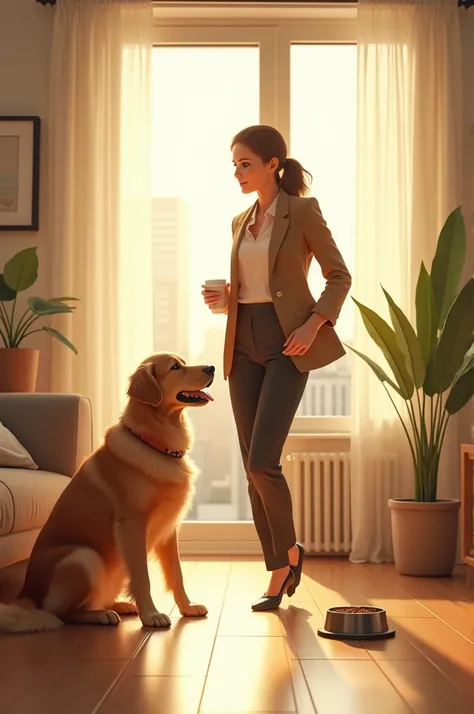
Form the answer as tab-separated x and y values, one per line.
274	32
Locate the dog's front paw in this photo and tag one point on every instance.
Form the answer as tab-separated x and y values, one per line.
155	619
193	610
108	617
123	607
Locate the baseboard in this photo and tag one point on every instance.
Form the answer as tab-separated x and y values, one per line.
219	547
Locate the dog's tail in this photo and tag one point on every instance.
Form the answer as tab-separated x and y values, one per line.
23	616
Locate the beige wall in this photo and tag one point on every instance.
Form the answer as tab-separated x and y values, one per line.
25	41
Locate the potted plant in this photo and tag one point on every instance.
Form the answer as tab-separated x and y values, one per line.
433	372
19	365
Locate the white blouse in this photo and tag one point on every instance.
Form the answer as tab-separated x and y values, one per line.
253	259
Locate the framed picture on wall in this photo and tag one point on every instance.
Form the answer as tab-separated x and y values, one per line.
19	173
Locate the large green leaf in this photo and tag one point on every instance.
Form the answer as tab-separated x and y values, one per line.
64	299
454	343
407	342
59	336
21	271
48	307
378	370
426	314
462	390
384	337
468	359
448	263
6	293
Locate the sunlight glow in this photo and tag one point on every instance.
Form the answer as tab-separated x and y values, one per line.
201	97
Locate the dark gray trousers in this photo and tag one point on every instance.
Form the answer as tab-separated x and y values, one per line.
265	391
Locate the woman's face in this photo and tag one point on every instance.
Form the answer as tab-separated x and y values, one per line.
250	171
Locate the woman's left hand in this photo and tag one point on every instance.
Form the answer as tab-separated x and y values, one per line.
301	339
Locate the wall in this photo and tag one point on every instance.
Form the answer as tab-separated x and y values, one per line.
25	42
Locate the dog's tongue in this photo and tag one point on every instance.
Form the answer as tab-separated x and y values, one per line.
204	395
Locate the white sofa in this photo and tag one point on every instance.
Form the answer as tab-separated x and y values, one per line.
56	430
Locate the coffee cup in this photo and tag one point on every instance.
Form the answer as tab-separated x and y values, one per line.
220	287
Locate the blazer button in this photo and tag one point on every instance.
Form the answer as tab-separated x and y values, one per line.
279	294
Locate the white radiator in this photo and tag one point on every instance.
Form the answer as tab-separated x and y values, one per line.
320	490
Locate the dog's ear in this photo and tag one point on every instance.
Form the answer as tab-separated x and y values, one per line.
144	386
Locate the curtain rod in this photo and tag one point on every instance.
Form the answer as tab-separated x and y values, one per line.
461	3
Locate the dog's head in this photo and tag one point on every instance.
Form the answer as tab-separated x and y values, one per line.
165	379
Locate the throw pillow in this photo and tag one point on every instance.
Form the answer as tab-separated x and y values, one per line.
12	453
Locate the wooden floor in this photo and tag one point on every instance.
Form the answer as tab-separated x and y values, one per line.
239	661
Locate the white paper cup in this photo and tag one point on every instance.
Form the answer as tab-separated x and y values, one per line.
218	286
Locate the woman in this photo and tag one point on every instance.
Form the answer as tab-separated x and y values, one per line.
276	332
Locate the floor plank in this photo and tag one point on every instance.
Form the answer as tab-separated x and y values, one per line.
445	601
110	642
424	688
32	659
154	695
240	679
75	687
352	687
443	646
184	650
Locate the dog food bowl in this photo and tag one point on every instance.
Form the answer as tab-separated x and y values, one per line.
356	623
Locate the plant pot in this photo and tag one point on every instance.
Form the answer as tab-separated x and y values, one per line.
18	369
425	536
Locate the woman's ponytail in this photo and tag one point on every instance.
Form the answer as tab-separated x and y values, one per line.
295	180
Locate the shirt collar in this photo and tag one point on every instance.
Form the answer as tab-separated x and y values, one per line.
271	210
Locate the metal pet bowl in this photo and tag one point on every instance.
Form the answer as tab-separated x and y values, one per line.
356	623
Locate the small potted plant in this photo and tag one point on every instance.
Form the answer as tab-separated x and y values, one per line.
18	364
433	371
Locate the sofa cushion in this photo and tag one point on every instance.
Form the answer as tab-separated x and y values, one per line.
6	510
30	500
17	546
12	453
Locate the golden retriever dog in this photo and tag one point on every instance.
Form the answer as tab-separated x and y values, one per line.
124	504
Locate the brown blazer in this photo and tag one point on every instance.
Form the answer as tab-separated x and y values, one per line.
299	233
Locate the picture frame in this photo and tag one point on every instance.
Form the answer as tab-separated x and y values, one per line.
19	172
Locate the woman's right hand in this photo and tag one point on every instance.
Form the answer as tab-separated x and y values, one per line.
212	297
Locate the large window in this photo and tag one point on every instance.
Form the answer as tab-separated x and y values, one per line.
208	83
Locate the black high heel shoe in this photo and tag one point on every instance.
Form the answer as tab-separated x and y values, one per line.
297	569
272	602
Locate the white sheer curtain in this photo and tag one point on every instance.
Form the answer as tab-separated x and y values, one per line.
408	180
100	196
